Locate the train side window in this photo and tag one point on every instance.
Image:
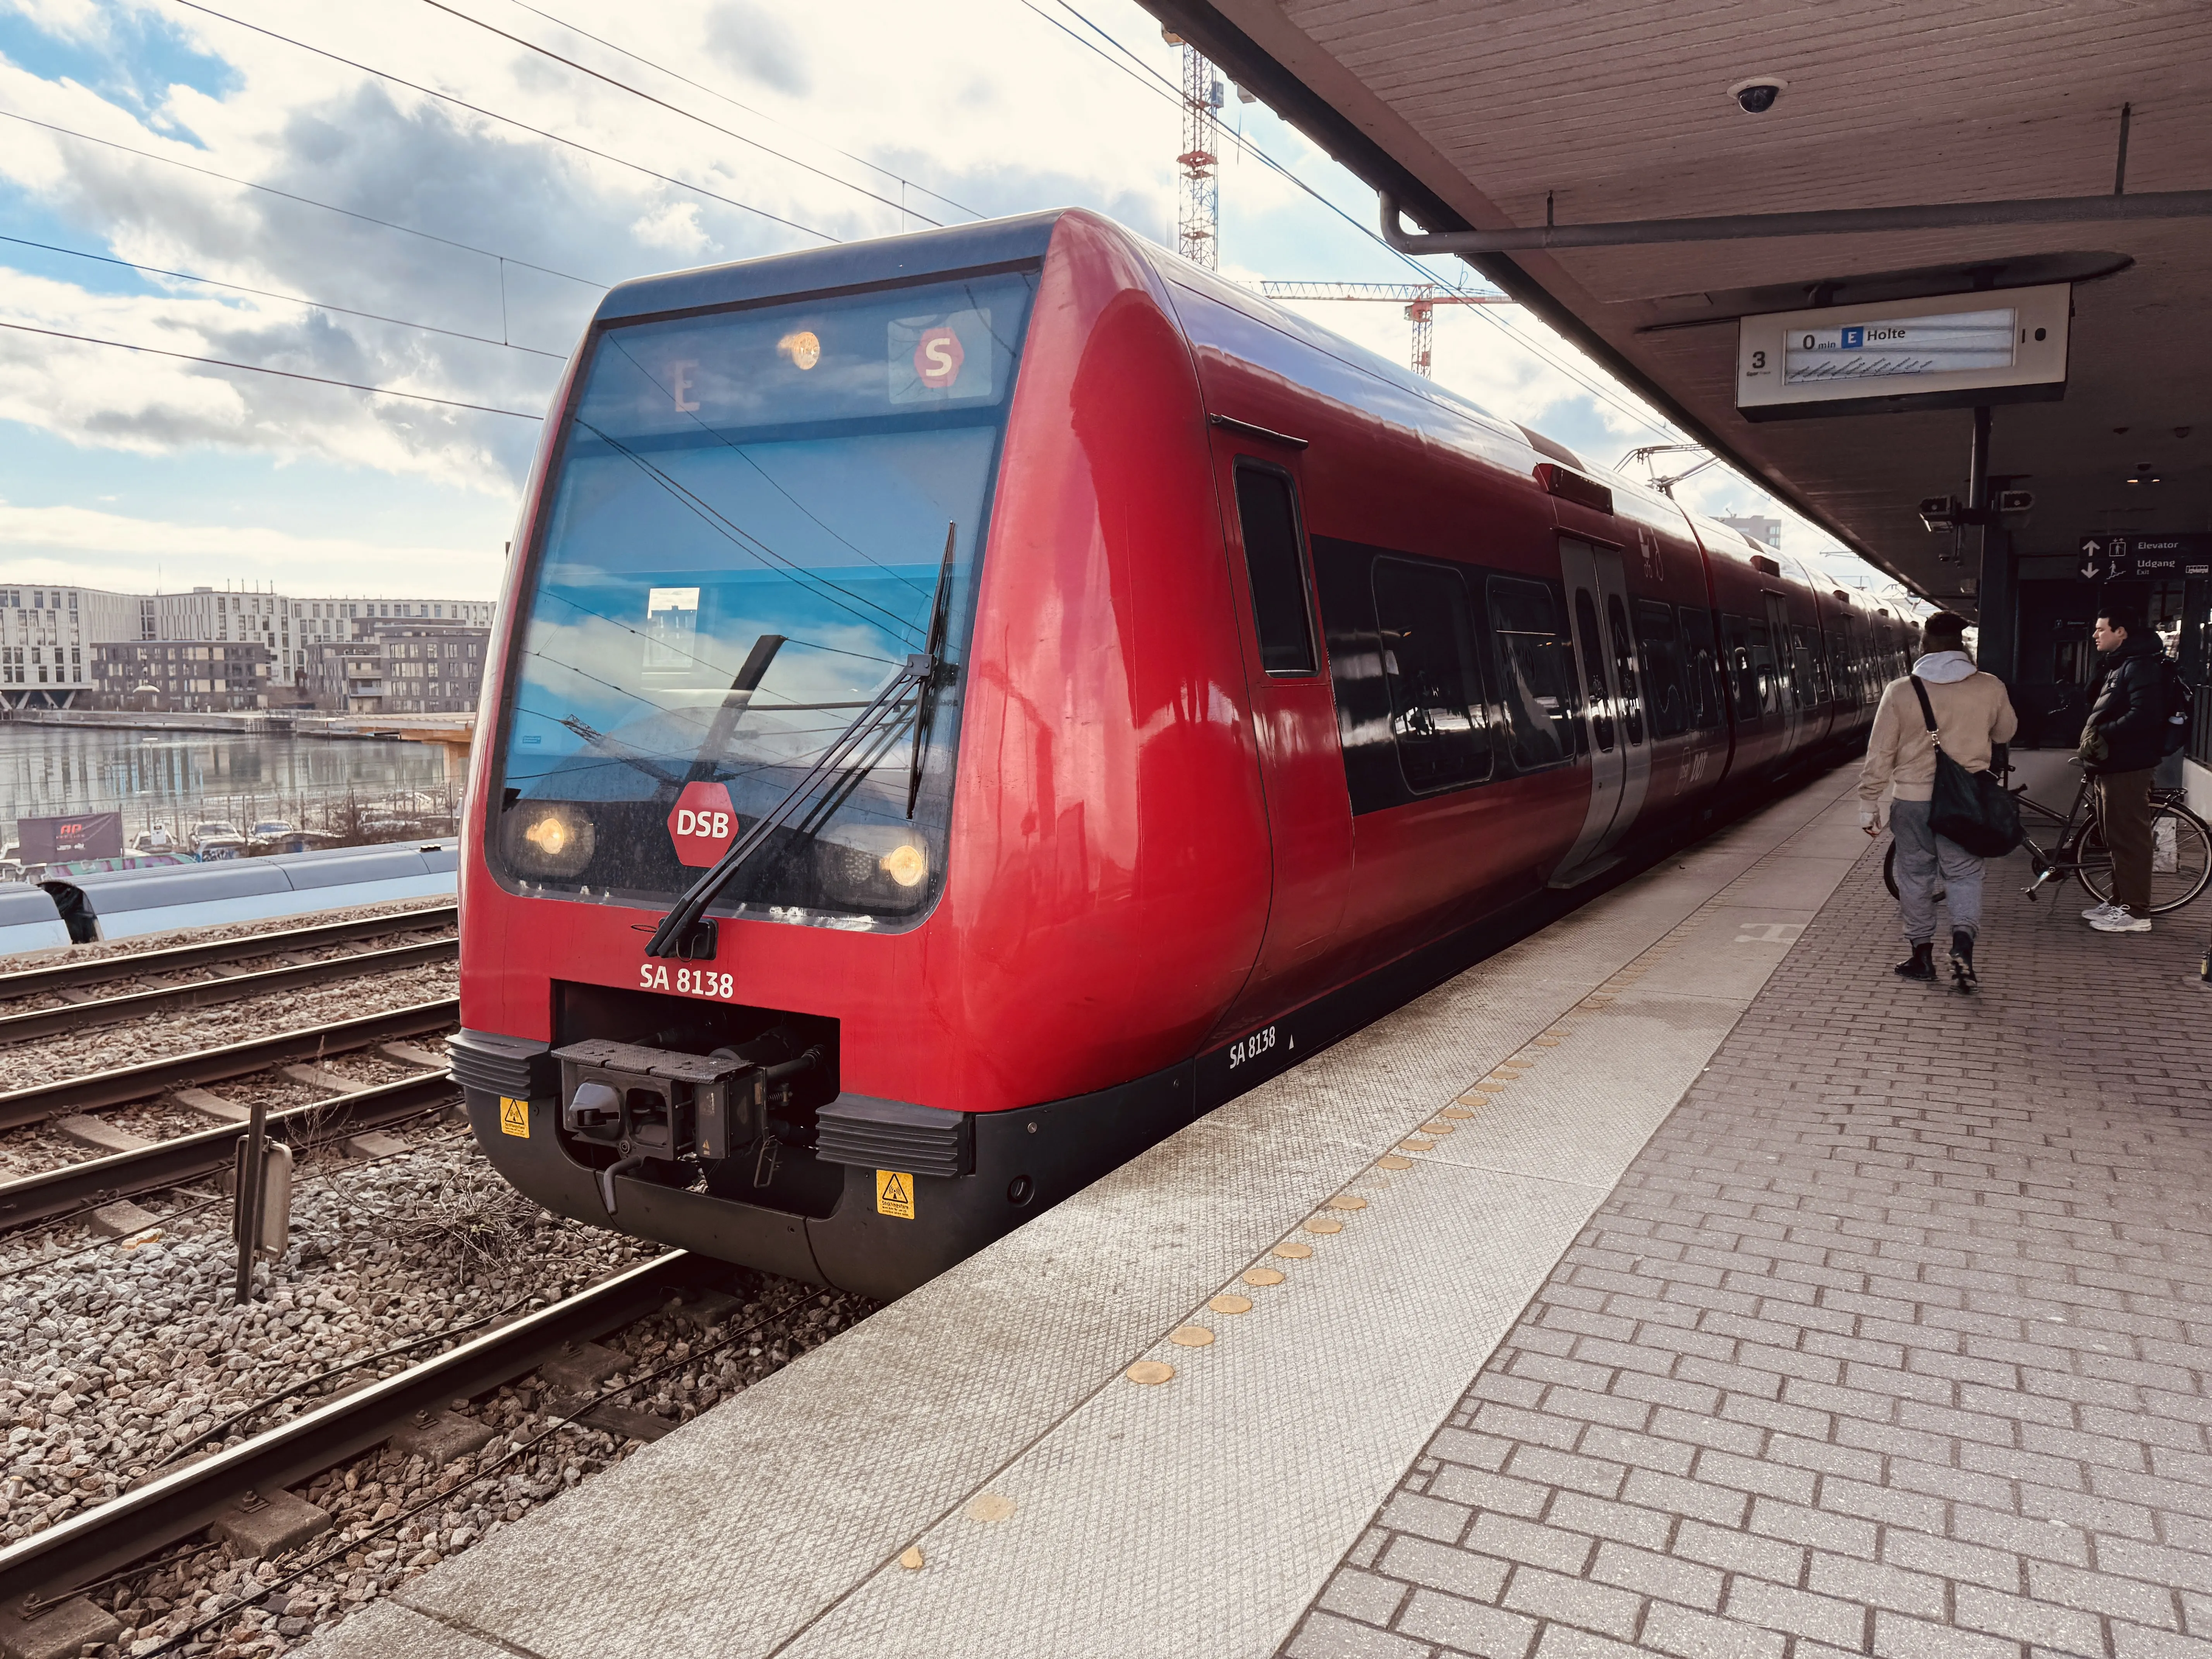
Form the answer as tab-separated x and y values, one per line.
1707	694
1536	666
1601	695
1662	669
1624	669
1274	561
1743	674
1765	681
1438	716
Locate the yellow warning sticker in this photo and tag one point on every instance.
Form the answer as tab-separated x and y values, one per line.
895	1194
514	1117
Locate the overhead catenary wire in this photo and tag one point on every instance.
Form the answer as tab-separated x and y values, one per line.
905	183
675	109
280	373
289	299
305	201
508	120
1153	81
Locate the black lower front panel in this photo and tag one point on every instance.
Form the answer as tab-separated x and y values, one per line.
1023	1162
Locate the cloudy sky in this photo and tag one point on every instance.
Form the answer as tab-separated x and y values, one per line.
437	216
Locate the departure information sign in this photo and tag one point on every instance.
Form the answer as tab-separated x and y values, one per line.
1942	351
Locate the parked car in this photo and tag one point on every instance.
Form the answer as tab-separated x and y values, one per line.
214	839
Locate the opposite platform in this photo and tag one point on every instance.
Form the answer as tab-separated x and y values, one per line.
988	1420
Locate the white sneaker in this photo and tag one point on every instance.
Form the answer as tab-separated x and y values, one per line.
2094	911
2121	921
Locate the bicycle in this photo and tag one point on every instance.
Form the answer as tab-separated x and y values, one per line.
2180	850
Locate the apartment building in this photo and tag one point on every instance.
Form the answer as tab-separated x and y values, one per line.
47	633
196	678
403	665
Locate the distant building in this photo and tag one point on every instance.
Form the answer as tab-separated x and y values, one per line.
1760	529
197	678
409	666
46	636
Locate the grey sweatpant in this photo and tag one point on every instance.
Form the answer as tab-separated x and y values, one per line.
1921	854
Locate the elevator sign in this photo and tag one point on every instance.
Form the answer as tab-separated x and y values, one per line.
702	824
2138	557
1948	350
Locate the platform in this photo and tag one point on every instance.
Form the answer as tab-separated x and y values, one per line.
1773	1298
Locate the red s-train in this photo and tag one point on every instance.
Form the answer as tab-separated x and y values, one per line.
968	703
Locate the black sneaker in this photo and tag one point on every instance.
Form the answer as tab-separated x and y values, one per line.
1921	965
1962	960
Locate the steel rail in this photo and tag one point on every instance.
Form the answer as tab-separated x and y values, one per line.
203	992
68	975
41	1570
127	1083
96	1181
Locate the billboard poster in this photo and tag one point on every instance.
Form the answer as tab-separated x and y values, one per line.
84	836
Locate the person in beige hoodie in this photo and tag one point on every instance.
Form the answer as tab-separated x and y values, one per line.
1972	716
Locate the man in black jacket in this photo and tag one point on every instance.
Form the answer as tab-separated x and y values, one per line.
2121	747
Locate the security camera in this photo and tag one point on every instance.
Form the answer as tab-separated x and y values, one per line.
1756	95
1939	512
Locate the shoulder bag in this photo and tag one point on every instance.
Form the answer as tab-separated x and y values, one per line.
1971	808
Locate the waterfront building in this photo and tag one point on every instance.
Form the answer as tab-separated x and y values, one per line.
47	633
199	679
411	666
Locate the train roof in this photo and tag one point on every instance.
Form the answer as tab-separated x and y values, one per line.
1019	240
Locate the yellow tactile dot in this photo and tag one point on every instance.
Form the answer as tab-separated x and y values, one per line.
1439	1128
911	1559
1548	1042
1150	1372
990	1506
1322	1224
1347	1201
1262	1275
1291	1250
1230	1302
1458	1112
1415	1144
1391	1161
1191	1336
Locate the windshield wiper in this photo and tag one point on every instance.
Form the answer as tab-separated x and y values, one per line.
924	705
682	933
740	698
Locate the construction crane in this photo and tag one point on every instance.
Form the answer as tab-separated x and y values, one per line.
1420	301
1198	190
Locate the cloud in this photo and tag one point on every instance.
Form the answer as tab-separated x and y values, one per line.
88	548
745	37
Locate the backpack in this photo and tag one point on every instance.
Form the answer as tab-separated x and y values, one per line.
2180	709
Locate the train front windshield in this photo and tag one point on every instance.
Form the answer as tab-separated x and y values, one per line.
752	515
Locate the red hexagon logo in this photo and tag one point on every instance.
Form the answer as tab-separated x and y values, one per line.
702	824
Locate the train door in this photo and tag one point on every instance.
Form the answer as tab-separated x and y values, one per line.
1790	695
1293	720
1619	747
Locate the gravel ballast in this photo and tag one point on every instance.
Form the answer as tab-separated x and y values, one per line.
131	1352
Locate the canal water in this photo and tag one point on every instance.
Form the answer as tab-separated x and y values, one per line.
175	777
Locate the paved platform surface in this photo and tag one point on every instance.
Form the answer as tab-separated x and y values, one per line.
1638	1461
1894	1339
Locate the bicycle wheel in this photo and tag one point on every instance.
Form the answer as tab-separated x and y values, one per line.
1889	872
2180	859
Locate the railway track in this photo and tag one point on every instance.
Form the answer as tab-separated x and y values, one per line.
291	977
45	1569
68	976
116	1087
75	1188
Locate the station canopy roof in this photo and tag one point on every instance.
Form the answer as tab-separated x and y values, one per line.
1477	113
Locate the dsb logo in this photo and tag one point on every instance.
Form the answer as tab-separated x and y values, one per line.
702	824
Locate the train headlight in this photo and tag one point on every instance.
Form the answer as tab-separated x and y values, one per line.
551	838
905	864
